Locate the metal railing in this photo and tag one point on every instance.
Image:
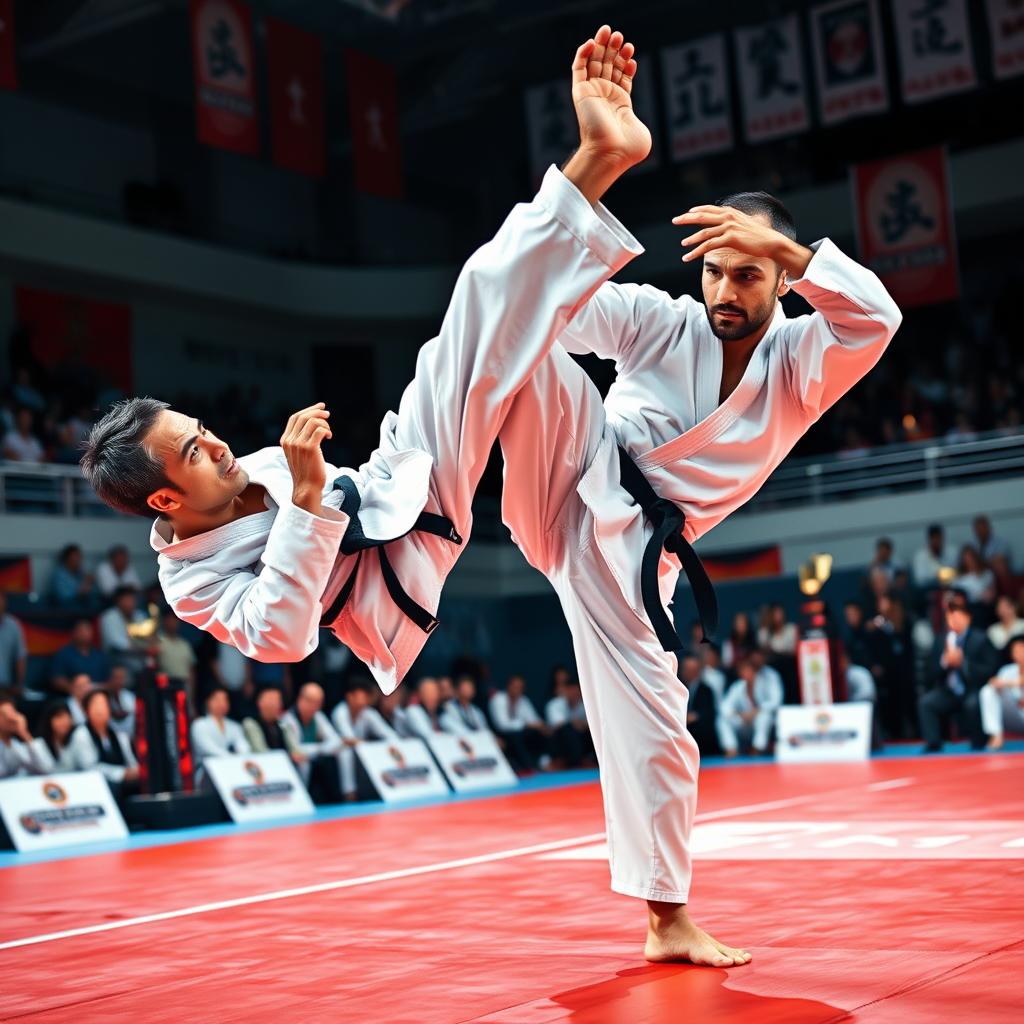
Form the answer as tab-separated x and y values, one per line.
37	488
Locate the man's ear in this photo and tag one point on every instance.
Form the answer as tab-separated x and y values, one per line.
163	502
783	284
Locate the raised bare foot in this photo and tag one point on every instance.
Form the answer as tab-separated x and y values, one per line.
996	743
674	938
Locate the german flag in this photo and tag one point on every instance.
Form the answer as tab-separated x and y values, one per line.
744	564
15	574
44	638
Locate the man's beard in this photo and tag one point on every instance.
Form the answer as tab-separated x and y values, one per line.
741	326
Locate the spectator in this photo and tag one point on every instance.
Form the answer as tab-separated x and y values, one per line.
264	730
740	643
392	710
21	444
356	720
78	657
13	651
447	688
215	735
520	728
1008	624
116	571
748	711
1001	699
424	715
777	639
891	653
884	559
932	559
81	687
70	585
854	634
701	706
17	756
860	683
52	746
461	715
566	719
317	740
711	671
960	664
175	655
115	639
122	701
975	578
95	745
989	544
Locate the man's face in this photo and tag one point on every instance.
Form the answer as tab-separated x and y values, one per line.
691	670
467	690
270	705
740	291
309	702
935	543
982	529
81	635
118	677
357	701
516	687
958	618
73	561
854	615
883	554
218	704
119	560
171	624
197	462
126	602
430	694
747	672
80	686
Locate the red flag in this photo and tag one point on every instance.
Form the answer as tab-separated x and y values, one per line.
296	73
224	66
373	108
8	69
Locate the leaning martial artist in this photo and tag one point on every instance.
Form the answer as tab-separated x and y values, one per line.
607	498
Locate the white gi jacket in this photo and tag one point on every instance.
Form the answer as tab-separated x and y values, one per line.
209	740
459	719
368	726
263	582
327	741
512	718
85	756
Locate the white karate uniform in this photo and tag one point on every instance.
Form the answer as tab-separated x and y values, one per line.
421	724
326	744
263	582
369	726
45	763
558	712
767	699
85	757
576	524
1001	707
509	717
18	758
210	740
460	719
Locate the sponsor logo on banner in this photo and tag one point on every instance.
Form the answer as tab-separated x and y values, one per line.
472	764
772	84
296	80
1006	30
401	770
905	226
225	79
59	816
259	791
404	774
835	732
8	62
847	43
471	761
935	48
258	787
697	97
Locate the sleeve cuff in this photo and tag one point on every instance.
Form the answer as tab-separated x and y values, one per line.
595	226
819	271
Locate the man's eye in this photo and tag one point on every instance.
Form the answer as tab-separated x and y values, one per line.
193	453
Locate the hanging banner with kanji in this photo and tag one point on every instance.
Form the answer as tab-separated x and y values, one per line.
696	83
8	66
847	42
225	75
1006	30
295	71
905	225
935	48
552	130
772	84
373	109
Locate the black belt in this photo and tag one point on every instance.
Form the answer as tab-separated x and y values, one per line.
355	542
668	520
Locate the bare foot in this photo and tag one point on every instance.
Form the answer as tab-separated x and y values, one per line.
996	743
673	938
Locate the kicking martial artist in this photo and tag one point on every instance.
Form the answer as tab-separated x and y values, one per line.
606	498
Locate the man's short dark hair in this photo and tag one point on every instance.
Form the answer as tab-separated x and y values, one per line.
116	461
68	549
766	205
958	600
935	530
359	683
886	541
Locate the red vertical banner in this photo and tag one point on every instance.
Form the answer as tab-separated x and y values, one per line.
373	109
295	69
8	67
905	225
224	66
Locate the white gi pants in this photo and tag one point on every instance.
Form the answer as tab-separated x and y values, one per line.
635	703
999	709
732	729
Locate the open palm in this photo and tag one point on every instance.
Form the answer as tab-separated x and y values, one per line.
602	81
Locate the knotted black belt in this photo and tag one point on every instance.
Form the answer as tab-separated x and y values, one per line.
355	542
668	520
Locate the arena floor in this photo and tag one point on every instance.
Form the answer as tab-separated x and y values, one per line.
888	891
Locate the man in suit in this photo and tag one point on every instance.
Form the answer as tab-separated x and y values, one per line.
960	664
702	706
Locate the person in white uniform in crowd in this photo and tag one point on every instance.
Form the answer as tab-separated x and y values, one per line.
1008	624
216	735
423	716
17	754
1001	699
566	718
860	683
356	721
95	745
312	730
116	570
461	715
52	747
519	727
747	714
114	637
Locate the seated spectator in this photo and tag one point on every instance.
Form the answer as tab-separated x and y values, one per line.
711	669
860	683
317	741
21	444
115	640
932	559
884	559
356	720
424	714
17	756
461	715
116	571
520	728
447	688
392	709
13	651
748	711
701	705
990	545
81	687
215	735
777	639
853	633
95	745
264	730
960	664
70	585
891	663
566	719
975	579
52	747
1008	624
79	657
122	701
1001	699
740	642
175	656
